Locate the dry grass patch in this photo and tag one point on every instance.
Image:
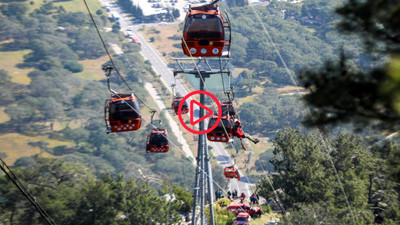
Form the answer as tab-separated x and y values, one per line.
163	40
79	6
4	117
16	146
92	69
8	62
291	90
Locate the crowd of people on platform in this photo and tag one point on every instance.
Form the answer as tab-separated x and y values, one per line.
254	198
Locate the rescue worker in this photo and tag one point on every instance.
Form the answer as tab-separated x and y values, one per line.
238	132
234	194
242	197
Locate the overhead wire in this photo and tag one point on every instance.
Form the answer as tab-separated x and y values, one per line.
327	146
32	199
109	55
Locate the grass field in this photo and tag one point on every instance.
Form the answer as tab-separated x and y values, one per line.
3	116
8	62
92	69
70	6
16	145
79	5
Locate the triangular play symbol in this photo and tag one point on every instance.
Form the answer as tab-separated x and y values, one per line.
210	112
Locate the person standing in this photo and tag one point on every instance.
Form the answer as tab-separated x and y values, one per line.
242	197
234	195
253	199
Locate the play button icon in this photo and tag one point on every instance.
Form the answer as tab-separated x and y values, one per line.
193	104
210	112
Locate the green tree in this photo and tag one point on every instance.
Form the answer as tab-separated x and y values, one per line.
40	144
5	79
116	28
366	94
309	171
77	135
14	9
238	3
249	84
73	66
51	110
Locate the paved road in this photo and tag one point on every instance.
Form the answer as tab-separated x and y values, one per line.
166	75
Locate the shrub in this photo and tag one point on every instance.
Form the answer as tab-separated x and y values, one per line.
73	66
266	208
223	202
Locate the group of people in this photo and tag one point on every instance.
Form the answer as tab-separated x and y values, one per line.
232	195
254	198
218	194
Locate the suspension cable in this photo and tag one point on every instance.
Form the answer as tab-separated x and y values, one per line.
26	193
109	56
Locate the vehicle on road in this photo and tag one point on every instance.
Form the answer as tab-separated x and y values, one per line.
136	41
238	208
242	218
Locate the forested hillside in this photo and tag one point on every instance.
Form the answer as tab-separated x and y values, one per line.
329	103
52	93
305	36
351	178
64	97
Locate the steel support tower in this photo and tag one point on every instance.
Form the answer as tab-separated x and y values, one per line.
203	185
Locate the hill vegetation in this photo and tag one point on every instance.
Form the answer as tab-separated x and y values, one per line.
52	101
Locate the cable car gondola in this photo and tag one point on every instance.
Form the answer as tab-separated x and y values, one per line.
231	172
175	105
223	132
157	141
204	32
122	113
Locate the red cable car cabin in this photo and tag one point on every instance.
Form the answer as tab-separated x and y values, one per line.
175	105
231	172
223	132
122	113
157	141
228	109
204	33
